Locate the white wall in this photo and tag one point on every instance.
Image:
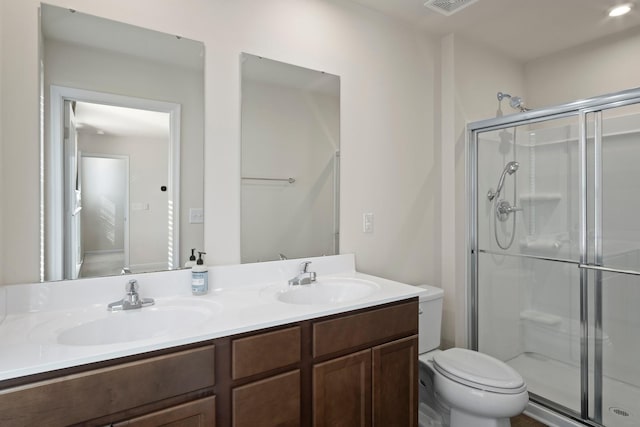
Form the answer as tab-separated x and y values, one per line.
148	171
3	176
288	132
20	124
387	75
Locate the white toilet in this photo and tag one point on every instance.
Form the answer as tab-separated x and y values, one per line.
460	387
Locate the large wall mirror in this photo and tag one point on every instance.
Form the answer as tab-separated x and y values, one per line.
122	147
290	161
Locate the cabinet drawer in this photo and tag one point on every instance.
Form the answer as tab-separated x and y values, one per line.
263	352
273	401
100	392
199	413
369	327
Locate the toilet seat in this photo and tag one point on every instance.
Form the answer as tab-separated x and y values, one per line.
479	371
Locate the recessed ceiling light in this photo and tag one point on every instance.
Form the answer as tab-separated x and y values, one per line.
620	10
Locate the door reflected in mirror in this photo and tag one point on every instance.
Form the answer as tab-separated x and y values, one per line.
122	147
290	179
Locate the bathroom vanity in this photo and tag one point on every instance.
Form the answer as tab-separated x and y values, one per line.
257	362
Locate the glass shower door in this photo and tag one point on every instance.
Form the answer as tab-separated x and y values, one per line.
528	280
614	278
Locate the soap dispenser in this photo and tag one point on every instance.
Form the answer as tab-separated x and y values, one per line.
192	259
199	277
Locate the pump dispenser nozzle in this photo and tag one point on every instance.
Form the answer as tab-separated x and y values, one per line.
192	259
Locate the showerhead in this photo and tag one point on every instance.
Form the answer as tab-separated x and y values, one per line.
512	167
515	102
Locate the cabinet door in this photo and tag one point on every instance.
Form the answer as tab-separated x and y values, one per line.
342	391
199	413
395	383
270	402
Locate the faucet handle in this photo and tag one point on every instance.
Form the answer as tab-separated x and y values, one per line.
132	287
304	266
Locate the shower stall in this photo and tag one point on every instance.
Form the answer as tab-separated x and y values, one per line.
554	253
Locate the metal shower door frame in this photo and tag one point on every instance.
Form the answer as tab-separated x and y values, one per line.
587	111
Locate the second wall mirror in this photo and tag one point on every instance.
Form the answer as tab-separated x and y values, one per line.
290	161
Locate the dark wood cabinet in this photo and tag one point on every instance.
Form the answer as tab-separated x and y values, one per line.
111	393
199	413
274	401
395	376
342	391
350	369
376	386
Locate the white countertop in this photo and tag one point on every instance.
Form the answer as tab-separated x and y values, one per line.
240	297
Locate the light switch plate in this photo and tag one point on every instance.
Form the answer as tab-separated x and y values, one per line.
367	222
196	216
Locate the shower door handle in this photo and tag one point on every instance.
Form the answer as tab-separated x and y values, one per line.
608	269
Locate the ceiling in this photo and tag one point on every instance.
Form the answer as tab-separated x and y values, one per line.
521	29
120	121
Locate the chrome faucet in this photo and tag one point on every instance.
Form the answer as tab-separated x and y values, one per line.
304	277
131	300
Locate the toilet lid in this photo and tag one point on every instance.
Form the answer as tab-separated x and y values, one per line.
479	371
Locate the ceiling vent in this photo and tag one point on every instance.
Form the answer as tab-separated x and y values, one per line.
448	7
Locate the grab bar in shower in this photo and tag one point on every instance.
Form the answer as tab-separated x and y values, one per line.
289	180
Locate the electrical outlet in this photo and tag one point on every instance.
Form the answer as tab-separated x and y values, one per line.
367	222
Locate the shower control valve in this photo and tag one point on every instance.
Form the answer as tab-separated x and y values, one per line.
504	208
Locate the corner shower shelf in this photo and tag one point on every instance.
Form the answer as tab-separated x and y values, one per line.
541	317
540	197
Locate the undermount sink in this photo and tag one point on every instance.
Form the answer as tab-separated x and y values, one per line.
102	327
333	290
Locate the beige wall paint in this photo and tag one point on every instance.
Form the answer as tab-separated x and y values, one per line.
388	83
3	176
606	66
471	77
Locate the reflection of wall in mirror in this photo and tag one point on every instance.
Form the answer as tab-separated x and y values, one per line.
287	132
112	72
148	171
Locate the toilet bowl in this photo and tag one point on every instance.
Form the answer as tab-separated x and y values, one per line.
464	387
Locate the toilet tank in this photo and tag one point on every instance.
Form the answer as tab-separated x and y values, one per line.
429	318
